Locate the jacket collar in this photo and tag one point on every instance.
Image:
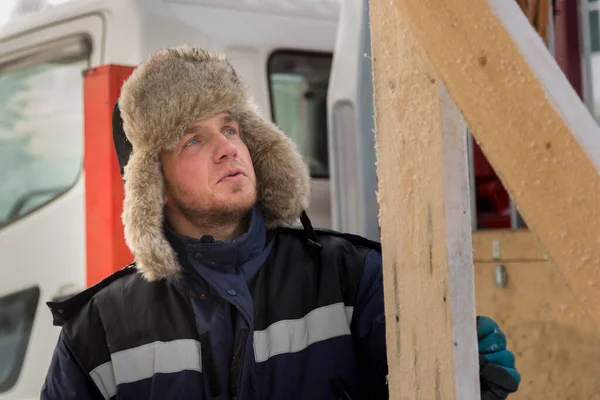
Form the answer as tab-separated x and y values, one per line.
224	255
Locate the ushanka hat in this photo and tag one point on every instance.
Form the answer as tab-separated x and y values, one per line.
165	95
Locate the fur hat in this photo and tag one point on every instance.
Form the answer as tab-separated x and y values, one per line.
163	96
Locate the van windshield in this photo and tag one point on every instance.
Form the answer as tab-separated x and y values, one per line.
41	134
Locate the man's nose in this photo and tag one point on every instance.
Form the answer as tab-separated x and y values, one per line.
223	148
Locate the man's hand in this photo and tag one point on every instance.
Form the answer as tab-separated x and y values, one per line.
497	372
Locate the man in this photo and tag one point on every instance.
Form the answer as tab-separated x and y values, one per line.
224	301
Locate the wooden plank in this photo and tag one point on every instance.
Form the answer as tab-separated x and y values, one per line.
528	120
425	222
556	345
502	245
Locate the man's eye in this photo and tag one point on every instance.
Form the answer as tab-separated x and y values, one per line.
191	143
229	132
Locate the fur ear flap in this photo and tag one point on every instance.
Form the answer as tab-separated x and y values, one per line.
143	214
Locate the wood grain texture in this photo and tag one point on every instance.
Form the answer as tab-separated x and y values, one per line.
425	221
555	344
528	120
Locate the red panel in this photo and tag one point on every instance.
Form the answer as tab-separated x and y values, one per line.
106	251
494	195
566	42
482	167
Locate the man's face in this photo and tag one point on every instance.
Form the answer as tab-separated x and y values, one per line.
209	177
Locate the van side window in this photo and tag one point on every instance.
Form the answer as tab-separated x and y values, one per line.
17	312
298	83
41	134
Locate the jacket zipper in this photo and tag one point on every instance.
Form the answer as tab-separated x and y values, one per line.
237	364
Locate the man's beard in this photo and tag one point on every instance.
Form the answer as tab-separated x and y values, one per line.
214	214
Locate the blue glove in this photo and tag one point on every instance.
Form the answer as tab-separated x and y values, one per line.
497	372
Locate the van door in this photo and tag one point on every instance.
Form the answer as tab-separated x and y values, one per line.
351	125
42	233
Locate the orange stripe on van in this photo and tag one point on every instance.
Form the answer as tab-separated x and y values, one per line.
106	251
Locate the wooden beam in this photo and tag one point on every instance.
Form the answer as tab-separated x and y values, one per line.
425	221
530	123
